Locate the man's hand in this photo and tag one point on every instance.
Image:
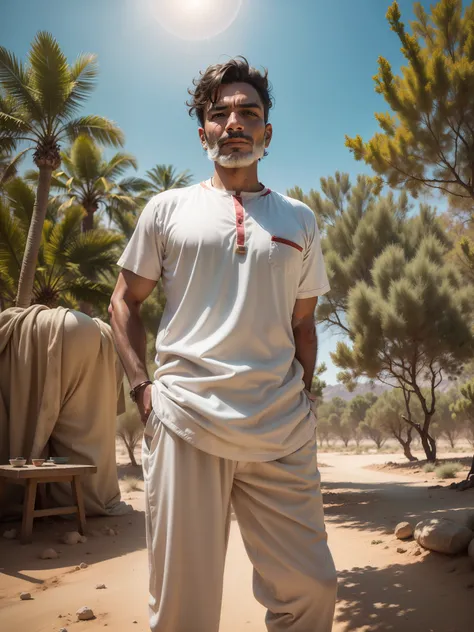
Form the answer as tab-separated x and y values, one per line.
144	403
312	400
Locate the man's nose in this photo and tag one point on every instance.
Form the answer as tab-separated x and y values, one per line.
234	122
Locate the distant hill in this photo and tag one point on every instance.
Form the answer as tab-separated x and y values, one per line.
339	390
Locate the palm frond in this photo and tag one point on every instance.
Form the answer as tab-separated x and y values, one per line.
15	79
83	74
86	158
50	76
118	164
12	242
84	290
133	185
62	235
13	126
94	251
22	200
163	177
126	223
9	168
7	287
99	128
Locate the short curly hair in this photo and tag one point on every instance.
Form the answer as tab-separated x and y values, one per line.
236	70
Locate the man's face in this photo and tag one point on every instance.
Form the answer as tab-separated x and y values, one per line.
235	134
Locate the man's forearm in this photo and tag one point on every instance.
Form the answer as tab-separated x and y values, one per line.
130	340
306	351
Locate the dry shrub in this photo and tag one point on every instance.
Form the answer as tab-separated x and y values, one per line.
132	483
448	470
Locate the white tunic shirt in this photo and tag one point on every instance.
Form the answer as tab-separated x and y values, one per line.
232	267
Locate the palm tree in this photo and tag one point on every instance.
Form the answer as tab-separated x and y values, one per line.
90	181
46	93
68	259
163	177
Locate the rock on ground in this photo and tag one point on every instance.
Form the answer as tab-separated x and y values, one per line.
73	537
443	536
10	534
85	614
83	565
25	596
49	554
470	551
404	530
109	531
100	586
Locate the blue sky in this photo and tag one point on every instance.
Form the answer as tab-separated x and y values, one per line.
321	56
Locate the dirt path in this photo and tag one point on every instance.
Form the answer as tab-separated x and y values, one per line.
380	590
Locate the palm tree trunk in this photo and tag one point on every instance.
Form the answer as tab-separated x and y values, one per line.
33	242
88	221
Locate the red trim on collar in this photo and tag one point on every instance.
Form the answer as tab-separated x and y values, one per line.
267	192
239	224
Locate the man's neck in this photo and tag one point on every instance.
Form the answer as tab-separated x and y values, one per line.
238	180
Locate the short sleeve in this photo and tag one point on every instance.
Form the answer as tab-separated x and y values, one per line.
143	254
313	280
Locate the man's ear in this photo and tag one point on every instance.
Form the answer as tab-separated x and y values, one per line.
202	138
268	134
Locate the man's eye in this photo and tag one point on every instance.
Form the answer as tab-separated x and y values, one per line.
249	113
216	115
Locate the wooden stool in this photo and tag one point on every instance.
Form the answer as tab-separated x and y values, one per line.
32	476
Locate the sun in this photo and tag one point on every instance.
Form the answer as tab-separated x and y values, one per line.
195	19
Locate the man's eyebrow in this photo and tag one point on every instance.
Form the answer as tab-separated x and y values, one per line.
220	108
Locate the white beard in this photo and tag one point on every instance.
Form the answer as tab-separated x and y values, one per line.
237	159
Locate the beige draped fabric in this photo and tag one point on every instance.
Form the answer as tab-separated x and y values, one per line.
60	392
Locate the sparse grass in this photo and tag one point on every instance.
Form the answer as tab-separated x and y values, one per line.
429	467
448	470
132	483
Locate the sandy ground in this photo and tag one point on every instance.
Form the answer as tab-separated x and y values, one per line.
380	589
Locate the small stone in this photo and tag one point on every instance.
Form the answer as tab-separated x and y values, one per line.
375	542
85	614
94	533
417	552
83	565
100	586
60	616
10	534
62	629
135	622
49	554
78	568
403	530
400	550
25	596
73	537
108	531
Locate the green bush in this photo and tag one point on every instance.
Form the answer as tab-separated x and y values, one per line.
429	467
448	470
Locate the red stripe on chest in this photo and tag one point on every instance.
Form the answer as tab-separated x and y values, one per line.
282	240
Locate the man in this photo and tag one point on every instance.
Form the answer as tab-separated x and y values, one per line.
228	416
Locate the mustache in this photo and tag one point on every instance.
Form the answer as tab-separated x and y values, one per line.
233	136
